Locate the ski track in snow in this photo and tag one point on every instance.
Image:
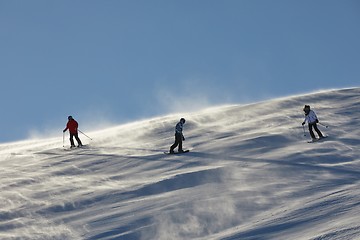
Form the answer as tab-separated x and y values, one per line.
250	175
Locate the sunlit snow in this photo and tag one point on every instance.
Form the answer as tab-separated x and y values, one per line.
250	174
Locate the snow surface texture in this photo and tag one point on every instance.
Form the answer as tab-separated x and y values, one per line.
250	175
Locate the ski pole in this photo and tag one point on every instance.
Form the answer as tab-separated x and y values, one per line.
323	125
63	139
85	134
304	131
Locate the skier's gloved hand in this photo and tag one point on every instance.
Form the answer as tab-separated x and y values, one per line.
317	120
183	138
64	130
303	123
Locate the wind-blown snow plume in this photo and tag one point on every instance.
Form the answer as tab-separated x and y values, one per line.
250	174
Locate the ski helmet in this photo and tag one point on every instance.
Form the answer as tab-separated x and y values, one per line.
70	117
182	120
306	109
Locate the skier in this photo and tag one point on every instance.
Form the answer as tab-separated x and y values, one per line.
72	125
179	137
312	120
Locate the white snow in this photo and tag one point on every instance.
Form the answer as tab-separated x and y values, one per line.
250	175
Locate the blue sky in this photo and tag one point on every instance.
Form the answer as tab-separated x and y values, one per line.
119	61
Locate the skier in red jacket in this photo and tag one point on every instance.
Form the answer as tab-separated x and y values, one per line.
72	125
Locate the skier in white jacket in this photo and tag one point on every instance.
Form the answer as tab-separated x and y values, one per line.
312	120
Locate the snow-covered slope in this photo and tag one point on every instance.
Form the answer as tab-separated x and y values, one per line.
250	175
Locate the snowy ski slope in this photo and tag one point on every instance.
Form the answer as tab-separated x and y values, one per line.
250	175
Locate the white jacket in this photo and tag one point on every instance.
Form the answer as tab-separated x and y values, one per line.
311	117
179	128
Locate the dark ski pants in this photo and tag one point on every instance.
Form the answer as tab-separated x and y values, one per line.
178	141
311	125
72	135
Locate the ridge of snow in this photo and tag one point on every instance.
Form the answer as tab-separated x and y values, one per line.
250	174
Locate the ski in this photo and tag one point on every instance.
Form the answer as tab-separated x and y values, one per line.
76	148
317	139
185	151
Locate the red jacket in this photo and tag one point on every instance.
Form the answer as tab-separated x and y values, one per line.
72	125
